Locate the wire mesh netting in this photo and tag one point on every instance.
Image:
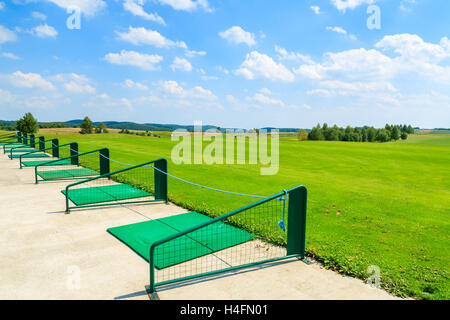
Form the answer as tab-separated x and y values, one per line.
120	187
246	238
69	166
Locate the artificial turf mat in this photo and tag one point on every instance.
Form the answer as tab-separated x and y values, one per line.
32	155
67	173
37	163
217	236
100	194
12	144
15	150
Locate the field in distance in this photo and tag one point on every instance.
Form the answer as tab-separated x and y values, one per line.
370	204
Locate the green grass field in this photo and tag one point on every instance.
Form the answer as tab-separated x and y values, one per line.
369	203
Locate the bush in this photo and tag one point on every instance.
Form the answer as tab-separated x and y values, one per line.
86	126
302	135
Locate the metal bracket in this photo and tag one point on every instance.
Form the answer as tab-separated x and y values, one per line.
153	296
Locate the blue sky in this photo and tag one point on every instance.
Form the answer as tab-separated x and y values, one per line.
230	63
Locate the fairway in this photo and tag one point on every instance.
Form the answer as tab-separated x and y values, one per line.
370	204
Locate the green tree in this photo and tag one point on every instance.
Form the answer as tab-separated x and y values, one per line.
395	133
302	135
371	134
383	135
101	128
86	126
27	124
364	134
316	133
404	136
410	130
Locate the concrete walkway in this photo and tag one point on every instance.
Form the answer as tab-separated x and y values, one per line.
46	254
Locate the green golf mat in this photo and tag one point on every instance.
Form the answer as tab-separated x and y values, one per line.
11	144
15	150
215	237
68	173
37	163
104	194
31	155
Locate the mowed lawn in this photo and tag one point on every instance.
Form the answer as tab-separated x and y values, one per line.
369	204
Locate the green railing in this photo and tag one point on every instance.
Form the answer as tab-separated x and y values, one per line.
23	145
148	177
85	159
259	218
55	150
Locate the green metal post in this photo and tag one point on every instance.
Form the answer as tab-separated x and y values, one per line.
104	161
25	138
19	137
55	148
32	141
161	180
74	154
41	143
297	222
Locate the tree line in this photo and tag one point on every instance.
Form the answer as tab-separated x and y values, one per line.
357	134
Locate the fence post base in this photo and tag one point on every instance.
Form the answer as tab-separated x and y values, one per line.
152	295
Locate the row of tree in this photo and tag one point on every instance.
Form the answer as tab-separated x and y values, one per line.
357	134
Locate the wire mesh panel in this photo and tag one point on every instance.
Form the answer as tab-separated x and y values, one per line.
245	237
73	167
48	154
137	184
9	138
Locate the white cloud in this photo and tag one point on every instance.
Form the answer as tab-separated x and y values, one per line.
341	31
79	88
285	55
316	9
187	5
87	7
343	5
39	15
265	91
320	92
174	89
136	8
260	98
75	83
6	35
142	36
193	53
207	78
10	55
337	29
238	35
351	64
181	64
136	59
44	31
222	69
5	96
30	80
412	47
132	84
257	65
2	5
370	75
